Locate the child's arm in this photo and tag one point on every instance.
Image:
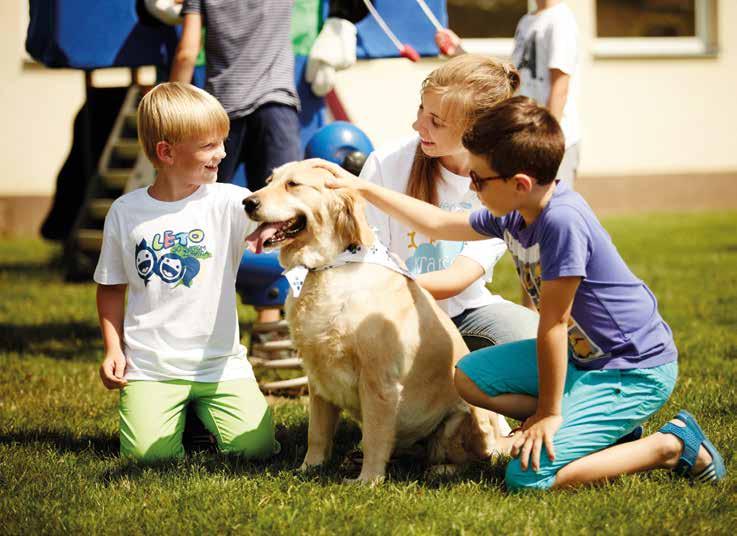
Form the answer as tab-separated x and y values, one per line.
428	219
111	309
188	48
556	301
444	284
559	82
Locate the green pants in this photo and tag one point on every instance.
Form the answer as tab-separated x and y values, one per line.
152	416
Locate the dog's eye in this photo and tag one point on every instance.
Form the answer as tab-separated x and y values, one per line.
292	184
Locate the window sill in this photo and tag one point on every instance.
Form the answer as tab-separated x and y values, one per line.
498	47
653	47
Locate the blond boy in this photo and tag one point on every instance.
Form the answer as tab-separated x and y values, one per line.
175	248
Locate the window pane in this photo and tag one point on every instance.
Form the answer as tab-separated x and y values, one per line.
645	18
485	18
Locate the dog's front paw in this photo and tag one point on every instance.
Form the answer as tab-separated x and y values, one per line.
365	480
309	466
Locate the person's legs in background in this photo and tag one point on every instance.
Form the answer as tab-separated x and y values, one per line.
272	139
568	168
233	150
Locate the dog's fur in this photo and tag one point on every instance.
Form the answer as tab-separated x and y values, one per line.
373	341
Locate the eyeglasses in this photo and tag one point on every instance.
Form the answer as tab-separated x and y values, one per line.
478	182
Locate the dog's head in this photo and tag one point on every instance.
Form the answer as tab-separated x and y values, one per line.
308	221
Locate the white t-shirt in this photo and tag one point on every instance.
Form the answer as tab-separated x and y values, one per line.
390	166
549	40
179	260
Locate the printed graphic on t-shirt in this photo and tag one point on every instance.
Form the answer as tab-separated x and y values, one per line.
431	256
529	270
435	255
172	257
529	57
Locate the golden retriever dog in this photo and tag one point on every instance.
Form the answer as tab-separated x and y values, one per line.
373	342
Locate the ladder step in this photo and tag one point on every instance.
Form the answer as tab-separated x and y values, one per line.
272	346
268	327
116	179
131	120
287	363
127	149
99	208
285	384
89	239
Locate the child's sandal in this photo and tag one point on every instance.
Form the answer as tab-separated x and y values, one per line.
693	437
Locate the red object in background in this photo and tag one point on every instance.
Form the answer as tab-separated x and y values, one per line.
408	52
337	110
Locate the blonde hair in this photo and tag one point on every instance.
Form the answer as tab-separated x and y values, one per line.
175	112
468	86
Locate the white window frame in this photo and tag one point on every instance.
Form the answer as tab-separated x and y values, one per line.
499	47
703	44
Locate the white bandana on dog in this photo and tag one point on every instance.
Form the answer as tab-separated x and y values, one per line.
377	253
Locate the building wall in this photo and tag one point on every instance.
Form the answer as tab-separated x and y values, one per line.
38	109
640	116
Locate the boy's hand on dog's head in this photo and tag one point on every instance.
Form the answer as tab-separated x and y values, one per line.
112	370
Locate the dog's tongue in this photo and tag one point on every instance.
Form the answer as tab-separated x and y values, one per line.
256	239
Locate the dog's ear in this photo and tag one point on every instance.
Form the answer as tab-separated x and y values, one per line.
350	218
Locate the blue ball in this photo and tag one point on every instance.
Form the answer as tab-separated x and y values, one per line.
337	140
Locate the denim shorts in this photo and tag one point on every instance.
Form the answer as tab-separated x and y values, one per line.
496	323
599	406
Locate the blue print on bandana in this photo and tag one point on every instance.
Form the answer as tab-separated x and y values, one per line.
430	257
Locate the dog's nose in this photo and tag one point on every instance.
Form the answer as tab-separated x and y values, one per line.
251	204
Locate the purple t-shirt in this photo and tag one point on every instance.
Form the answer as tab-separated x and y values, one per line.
615	323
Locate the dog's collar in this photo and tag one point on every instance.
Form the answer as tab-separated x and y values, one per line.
377	253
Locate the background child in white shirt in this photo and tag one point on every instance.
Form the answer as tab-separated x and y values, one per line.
546	55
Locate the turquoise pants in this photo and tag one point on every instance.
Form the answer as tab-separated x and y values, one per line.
599	406
152	416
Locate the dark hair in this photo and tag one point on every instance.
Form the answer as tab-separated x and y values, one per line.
518	136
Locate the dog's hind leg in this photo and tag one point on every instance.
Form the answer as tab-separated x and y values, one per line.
379	409
320	431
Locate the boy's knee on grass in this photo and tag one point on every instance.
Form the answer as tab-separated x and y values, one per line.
257	443
149	452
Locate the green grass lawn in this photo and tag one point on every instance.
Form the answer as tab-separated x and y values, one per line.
59	469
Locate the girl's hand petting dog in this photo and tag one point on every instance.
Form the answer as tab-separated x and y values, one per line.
341	177
112	370
537	430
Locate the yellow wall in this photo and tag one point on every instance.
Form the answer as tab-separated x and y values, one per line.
639	115
660	115
38	109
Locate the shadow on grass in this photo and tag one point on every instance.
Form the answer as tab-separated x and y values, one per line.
63	442
293	440
52	268
53	340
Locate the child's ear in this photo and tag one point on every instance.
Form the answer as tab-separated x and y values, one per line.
523	183
164	152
